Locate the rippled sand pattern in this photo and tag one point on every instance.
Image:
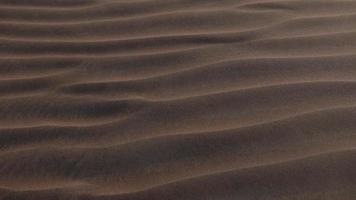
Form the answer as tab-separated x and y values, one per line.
177	99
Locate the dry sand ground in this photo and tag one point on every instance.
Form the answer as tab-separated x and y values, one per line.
178	99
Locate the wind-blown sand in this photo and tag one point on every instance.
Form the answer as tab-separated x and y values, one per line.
177	99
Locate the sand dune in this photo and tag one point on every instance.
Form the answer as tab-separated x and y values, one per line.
177	100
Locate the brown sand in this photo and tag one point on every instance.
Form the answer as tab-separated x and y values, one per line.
177	99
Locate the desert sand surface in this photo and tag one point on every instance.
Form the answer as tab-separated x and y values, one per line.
177	99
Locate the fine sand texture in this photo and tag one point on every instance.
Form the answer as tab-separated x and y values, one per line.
177	99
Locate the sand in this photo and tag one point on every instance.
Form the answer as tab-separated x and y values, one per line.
177	99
